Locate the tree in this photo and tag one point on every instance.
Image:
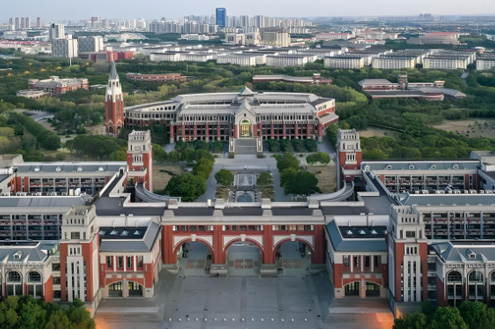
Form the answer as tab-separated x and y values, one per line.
159	154
224	177
203	168
302	183
287	175
287	160
264	179
447	318
188	155
174	156
187	186
410	321
119	155
474	314
58	320
320	157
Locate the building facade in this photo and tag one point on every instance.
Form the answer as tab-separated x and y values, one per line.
56	86
247	114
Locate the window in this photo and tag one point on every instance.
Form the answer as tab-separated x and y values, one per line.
410	234
367	261
346	261
34	277
455	277
130	261
140	261
110	261
14	277
376	260
120	262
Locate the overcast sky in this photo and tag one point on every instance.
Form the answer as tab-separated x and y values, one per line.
50	10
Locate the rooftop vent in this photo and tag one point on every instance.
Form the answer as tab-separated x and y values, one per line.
18	254
58	169
362	232
114	232
349	232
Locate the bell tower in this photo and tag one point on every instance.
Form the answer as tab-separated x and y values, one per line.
114	103
140	159
349	155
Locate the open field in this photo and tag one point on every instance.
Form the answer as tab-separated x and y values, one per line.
377	132
470	128
161	176
327	177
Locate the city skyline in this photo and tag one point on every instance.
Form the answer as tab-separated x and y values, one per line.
152	10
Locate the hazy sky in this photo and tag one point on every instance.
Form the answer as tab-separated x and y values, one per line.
149	9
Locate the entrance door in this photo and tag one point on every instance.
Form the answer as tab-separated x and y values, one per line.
372	290
352	289
245	128
115	289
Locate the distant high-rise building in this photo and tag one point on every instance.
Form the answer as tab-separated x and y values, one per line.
57	31
11	24
27	23
221	17
38	23
66	47
90	44
94	21
17	24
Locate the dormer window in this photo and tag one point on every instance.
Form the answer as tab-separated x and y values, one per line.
114	232
58	169
18	255
362	232
79	169
349	232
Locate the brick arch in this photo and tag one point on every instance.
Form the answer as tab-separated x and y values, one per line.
247	239
198	239
288	239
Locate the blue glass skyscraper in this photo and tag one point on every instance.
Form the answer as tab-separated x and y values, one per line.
221	17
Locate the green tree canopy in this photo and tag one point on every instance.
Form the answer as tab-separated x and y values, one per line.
187	186
264	179
474	314
224	177
287	160
320	157
302	183
447	318
410	321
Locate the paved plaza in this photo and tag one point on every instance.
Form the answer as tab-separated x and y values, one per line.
191	299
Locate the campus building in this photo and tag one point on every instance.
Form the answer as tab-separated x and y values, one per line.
405	231
158	78
56	86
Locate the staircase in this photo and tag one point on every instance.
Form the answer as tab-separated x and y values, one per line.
246	146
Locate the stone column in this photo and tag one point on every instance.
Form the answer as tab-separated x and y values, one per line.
296	132
207	132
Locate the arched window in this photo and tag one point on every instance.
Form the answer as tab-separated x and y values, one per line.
455	277
493	276
34	277
14	277
475	276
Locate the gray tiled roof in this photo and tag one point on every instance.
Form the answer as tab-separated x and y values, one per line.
462	252
364	243
28	251
130	243
41	201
